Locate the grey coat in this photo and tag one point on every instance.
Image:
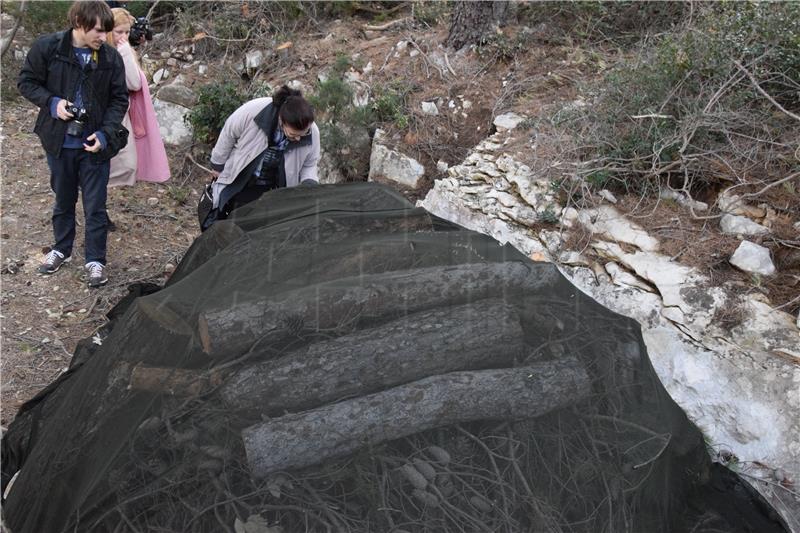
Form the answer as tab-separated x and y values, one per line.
243	139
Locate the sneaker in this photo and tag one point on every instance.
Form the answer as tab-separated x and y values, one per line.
96	274
52	262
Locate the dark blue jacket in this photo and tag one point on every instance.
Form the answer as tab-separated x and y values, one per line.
51	70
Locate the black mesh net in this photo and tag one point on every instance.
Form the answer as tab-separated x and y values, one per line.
333	359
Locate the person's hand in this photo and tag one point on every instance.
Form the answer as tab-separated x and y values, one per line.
215	173
61	110
95	146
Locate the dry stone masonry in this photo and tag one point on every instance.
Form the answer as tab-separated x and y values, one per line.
742	388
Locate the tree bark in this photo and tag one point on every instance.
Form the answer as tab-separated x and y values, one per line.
311	437
173	381
484	334
339	305
473	22
6	42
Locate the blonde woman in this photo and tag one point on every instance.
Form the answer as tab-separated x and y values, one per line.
144	157
123	165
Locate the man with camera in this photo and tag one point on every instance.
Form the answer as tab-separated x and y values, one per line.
78	83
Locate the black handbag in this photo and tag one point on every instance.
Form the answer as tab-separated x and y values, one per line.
206	212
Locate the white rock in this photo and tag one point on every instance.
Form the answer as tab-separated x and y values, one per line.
19	55
739	225
606	195
152	202
573	258
622	277
429	108
387	164
171	62
441	166
796	226
202	70
507	121
413	53
683	200
610	223
253	59
297	85
733	204
160	75
171	124
753	258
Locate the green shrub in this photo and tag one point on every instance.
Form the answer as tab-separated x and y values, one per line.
390	104
661	115
216	101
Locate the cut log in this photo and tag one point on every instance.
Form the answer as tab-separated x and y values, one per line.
173	381
311	437
338	306
484	334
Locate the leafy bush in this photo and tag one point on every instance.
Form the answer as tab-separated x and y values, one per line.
682	110
216	101
390	104
344	128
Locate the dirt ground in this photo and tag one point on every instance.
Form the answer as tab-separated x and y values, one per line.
43	317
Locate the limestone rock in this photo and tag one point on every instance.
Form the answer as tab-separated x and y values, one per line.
732	204
623	278
683	200
610	223
253	59
507	121
388	164
174	130
753	258
608	196
177	93
327	170
160	75
429	108
739	225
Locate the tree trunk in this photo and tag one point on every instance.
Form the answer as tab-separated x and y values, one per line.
339	305
336	430
473	22
485	334
5	44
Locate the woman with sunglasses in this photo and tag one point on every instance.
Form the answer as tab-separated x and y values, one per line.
265	144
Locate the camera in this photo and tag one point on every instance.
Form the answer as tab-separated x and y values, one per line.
140	28
76	123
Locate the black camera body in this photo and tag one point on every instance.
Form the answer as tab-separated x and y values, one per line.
140	28
76	123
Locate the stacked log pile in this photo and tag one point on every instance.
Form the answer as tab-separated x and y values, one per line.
360	367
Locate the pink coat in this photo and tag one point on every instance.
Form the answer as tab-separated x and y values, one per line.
152	163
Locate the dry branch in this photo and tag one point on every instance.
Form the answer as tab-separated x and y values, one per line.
299	440
485	334
341	304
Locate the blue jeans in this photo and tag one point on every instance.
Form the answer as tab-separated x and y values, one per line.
76	170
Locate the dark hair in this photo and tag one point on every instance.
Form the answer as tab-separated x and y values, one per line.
293	109
84	14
